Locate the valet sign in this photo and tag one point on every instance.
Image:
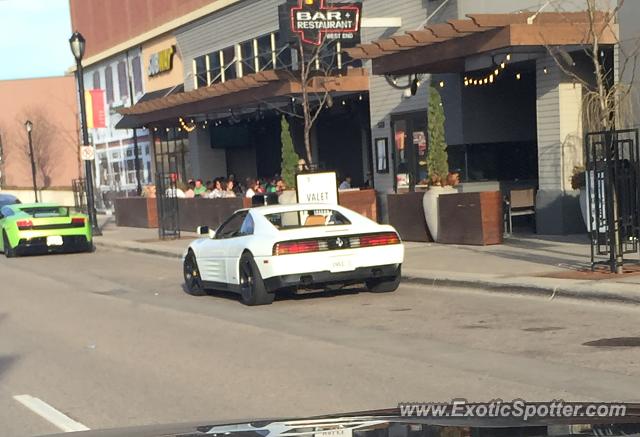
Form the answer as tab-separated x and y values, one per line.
313	21
317	188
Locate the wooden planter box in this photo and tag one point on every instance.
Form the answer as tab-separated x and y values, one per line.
139	212
206	212
406	214
363	202
136	212
471	218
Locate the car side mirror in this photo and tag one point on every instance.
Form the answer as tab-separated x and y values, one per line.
202	230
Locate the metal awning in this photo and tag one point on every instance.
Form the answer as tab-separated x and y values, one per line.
265	88
131	122
443	47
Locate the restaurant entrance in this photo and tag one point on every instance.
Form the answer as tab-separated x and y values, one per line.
410	150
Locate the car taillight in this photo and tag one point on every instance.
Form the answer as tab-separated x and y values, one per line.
383	239
78	222
24	225
295	247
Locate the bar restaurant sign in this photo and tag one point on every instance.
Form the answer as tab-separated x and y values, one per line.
161	62
313	21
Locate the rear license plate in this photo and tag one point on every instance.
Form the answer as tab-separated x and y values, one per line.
54	241
341	264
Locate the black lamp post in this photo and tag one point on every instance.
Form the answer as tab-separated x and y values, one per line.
29	126
77	43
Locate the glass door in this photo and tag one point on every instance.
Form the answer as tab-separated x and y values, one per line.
410	150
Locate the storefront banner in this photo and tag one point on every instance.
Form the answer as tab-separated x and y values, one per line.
314	21
317	188
95	104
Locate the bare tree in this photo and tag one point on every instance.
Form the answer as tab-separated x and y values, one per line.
314	75
43	136
607	101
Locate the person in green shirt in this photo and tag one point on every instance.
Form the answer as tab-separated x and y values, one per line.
199	190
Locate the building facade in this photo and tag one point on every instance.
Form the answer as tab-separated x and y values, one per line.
214	109
50	104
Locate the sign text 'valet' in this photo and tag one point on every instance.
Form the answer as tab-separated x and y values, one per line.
313	21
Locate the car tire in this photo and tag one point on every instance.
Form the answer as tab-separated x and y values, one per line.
9	252
385	285
252	289
192	279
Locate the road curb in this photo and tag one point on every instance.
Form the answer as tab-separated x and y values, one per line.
143	250
548	292
502	287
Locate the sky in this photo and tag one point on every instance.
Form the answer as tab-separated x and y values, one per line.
34	38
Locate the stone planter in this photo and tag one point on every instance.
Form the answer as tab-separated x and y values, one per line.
430	205
288	197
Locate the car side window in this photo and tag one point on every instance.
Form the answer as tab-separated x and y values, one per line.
247	226
5	212
232	227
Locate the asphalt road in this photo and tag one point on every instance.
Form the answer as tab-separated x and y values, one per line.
110	339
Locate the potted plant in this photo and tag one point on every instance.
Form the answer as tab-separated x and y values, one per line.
290	161
579	182
440	180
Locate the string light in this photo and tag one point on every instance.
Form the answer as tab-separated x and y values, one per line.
442	84
518	76
488	79
186	127
545	70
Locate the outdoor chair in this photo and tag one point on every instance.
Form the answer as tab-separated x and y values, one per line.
520	202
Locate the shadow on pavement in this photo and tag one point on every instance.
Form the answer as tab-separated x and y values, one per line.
6	361
286	295
546	260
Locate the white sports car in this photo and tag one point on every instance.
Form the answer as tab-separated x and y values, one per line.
259	251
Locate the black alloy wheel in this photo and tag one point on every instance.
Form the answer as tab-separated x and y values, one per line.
192	278
252	288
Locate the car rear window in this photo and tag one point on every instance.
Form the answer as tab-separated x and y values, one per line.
46	211
307	218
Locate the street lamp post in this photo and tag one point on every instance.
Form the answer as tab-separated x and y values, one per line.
29	126
77	43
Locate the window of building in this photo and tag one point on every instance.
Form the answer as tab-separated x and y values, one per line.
265	52
122	79
108	82
229	60
201	71
96	80
171	152
248	58
136	68
214	67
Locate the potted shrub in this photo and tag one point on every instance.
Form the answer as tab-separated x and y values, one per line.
579	182
290	161
440	180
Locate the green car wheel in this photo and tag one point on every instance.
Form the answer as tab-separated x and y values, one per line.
8	250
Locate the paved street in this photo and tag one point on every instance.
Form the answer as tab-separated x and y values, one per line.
110	339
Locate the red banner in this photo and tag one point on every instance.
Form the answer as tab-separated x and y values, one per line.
96	115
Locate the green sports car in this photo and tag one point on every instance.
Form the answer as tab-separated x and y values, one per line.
43	228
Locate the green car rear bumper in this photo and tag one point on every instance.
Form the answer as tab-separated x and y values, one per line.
38	245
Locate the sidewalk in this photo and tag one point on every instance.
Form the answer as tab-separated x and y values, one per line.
548	266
